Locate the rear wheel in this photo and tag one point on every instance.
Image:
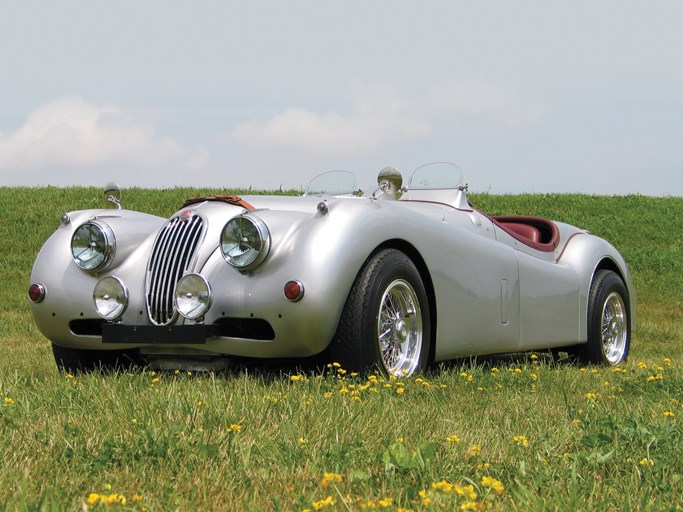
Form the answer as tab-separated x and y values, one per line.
74	360
385	323
609	323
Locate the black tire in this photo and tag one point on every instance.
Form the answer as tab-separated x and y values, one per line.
385	323
74	360
609	322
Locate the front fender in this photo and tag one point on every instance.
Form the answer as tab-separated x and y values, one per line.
68	289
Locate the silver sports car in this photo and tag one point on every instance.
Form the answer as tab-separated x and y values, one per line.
394	280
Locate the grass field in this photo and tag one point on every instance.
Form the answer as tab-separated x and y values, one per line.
510	434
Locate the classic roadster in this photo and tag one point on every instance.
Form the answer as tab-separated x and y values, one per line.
394	281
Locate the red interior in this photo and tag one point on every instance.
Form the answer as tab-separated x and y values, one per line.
541	234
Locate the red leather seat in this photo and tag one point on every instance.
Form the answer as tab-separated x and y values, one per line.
524	230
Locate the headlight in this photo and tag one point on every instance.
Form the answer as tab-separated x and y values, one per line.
93	245
192	296
245	242
111	298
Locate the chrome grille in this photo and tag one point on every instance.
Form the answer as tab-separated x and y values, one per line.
172	256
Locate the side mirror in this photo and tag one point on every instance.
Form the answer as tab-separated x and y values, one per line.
112	193
389	181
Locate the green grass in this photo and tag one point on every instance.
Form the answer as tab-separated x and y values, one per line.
554	437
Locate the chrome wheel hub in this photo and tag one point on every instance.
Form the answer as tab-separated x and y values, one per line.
399	327
614	328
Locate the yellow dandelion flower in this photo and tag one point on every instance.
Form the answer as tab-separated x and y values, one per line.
669	414
400	440
296	377
328	394
327	502
534	357
453	439
93	498
114	499
400	391
330	478
234	427
301	441
9	401
424	498
385	502
645	461
493	484
667	361
591	396
474	450
521	441
442	486
466	491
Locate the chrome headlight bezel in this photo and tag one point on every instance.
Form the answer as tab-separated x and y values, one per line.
245	242
111	298
192	297
93	245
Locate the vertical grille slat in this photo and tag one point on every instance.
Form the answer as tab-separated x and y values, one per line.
172	256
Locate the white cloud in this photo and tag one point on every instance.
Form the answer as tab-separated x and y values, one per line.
74	134
379	119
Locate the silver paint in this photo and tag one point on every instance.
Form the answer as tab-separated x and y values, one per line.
490	292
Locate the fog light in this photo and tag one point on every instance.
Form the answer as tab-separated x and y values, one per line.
111	298
294	291
192	296
36	292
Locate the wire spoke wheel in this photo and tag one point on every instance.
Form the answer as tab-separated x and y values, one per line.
609	322
614	328
386	322
399	327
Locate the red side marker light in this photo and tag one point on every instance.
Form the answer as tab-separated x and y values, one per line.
294	291
36	292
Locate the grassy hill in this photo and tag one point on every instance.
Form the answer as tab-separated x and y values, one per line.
513	434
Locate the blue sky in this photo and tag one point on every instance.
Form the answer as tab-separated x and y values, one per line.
527	96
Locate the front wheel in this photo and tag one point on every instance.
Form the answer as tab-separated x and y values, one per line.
609	325
385	323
